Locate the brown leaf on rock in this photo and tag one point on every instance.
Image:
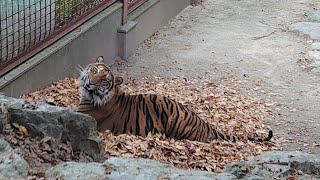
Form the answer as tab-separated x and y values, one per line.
15	125
108	169
11	156
23	130
45	139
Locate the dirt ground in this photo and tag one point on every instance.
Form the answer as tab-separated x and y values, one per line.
249	39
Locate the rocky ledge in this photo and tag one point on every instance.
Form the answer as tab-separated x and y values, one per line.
270	165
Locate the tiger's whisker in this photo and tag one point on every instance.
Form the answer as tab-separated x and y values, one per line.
80	68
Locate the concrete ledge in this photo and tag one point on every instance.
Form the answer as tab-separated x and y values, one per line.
127	27
101	35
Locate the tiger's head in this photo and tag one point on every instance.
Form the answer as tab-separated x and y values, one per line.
97	83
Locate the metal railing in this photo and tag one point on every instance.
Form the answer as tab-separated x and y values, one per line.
28	26
129	6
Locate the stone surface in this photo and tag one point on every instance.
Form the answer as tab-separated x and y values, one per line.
74	171
11	102
315	46
270	165
314	16
11	164
311	29
277	165
314	57
129	168
3	117
60	123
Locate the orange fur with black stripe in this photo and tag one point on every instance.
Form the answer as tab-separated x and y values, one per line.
114	110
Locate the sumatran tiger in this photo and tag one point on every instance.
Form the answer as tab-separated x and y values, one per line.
141	114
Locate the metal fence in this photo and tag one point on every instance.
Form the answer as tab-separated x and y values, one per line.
28	26
129	6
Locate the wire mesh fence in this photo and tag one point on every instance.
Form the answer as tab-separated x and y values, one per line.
22	24
26	24
67	10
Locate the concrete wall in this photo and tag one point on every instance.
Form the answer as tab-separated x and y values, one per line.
150	17
98	36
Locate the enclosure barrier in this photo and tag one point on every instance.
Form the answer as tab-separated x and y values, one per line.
28	26
129	6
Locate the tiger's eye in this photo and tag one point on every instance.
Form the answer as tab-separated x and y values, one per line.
94	70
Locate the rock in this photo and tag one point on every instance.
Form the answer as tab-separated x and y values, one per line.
129	168
63	124
314	16
277	164
307	163
311	29
73	170
10	102
11	164
5	103
314	56
3	116
270	165
315	46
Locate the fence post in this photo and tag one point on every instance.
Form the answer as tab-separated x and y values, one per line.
125	12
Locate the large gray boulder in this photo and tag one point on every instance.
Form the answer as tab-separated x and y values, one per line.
314	16
310	29
63	124
314	56
73	170
129	169
11	164
275	165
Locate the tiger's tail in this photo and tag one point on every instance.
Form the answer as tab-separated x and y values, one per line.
259	139
216	134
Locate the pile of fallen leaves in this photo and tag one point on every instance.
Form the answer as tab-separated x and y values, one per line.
181	153
40	153
61	93
219	103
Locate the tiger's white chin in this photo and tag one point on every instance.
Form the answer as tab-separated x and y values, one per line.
100	99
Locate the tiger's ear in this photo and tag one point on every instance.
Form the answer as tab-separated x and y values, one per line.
100	59
118	80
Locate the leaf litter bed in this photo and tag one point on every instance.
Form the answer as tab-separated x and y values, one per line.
40	153
219	103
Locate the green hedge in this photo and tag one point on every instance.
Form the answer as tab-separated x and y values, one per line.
68	9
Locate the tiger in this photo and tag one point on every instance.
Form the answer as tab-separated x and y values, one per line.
102	98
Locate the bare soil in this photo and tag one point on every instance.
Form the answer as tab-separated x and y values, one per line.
250	40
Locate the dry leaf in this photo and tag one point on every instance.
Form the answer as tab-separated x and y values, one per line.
23	130
15	125
45	139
